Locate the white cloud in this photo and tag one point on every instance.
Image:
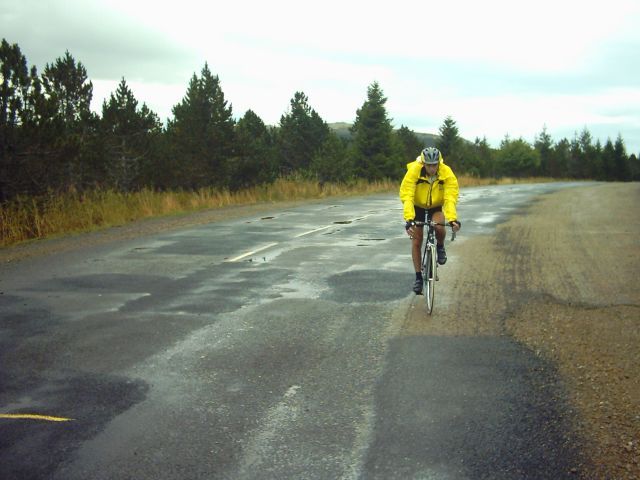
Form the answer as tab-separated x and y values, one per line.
496	66
547	34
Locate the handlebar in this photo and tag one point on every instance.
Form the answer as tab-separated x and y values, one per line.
433	224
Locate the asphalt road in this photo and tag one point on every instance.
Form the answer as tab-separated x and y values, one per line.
266	347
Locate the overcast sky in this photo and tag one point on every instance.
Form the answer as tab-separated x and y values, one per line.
496	67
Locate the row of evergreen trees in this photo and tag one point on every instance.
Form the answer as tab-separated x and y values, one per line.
50	140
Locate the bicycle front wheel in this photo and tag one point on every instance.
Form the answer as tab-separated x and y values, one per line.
429	277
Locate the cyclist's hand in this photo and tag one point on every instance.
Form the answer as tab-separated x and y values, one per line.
409	227
455	225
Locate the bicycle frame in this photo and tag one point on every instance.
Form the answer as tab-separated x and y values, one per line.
429	264
429	261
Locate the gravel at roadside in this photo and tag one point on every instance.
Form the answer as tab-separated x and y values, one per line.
562	280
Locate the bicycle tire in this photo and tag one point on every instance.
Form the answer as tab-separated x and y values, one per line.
429	277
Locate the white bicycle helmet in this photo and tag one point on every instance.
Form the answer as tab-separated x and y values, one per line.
430	156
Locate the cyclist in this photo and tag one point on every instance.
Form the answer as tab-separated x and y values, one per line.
429	185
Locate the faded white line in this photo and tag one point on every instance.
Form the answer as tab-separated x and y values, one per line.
240	257
312	231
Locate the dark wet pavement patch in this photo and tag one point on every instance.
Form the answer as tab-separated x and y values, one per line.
35	449
470	407
366	286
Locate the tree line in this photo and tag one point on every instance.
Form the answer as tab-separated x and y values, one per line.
51	141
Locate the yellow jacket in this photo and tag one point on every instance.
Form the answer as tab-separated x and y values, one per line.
417	189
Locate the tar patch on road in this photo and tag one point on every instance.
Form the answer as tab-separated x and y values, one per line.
469	407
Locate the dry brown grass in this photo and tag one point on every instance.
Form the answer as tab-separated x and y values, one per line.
29	218
470	181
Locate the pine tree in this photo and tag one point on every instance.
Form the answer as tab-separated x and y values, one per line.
621	161
479	158
48	121
562	158
331	162
608	161
634	167
255	161
67	121
201	136
128	133
591	159
301	134
544	145
450	144
13	92
68	91
372	150
410	144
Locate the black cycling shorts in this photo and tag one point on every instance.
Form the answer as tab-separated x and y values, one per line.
420	213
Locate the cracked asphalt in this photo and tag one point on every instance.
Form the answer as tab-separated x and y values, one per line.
285	342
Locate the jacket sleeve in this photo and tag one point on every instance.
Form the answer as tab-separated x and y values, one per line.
408	190
450	197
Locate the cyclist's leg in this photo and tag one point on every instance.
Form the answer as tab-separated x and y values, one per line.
416	247
441	234
438	217
416	242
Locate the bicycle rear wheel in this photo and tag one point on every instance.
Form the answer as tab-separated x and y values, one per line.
429	276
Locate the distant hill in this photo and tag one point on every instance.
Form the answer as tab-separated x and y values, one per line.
342	130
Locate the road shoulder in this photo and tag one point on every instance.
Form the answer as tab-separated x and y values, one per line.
560	280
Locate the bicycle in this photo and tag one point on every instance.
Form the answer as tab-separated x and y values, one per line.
430	260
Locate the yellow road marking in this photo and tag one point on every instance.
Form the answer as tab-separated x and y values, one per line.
31	416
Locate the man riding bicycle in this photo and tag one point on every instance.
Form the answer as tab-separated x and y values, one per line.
428	186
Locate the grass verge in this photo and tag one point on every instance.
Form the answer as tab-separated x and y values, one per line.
28	218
